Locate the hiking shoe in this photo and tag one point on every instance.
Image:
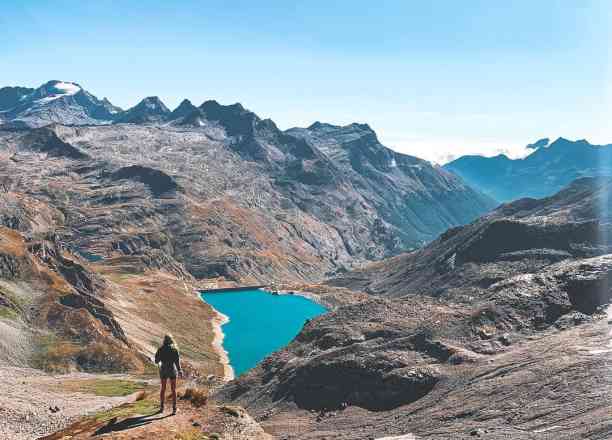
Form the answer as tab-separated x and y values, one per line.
174	410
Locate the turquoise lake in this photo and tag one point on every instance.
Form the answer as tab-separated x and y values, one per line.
260	323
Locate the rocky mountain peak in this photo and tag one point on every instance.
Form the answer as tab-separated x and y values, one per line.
61	102
361	126
10	96
53	90
150	109
214	106
236	120
355	144
154	103
184	109
354	127
318	125
185	103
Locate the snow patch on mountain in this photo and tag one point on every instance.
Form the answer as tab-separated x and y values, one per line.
55	90
68	88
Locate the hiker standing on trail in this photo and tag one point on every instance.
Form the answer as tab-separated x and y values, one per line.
168	356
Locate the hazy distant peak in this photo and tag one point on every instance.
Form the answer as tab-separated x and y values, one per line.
539	144
562	142
548	168
501	156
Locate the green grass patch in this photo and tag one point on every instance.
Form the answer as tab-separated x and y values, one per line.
11	304
141	407
108	387
8	313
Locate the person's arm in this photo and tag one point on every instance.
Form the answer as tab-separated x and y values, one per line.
177	362
157	356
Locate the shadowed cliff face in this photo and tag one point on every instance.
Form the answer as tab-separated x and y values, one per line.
157	181
500	325
46	141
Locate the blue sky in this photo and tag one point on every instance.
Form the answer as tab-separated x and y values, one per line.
434	78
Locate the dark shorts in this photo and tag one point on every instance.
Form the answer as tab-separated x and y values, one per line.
167	372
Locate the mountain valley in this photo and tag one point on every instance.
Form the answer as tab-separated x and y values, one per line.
450	316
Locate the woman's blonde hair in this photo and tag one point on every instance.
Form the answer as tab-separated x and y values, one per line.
169	341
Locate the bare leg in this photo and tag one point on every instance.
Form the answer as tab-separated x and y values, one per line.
162	394
173	389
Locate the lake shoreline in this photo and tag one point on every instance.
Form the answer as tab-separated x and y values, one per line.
217	322
309	295
252	311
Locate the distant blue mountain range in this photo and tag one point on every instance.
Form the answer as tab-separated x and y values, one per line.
550	167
